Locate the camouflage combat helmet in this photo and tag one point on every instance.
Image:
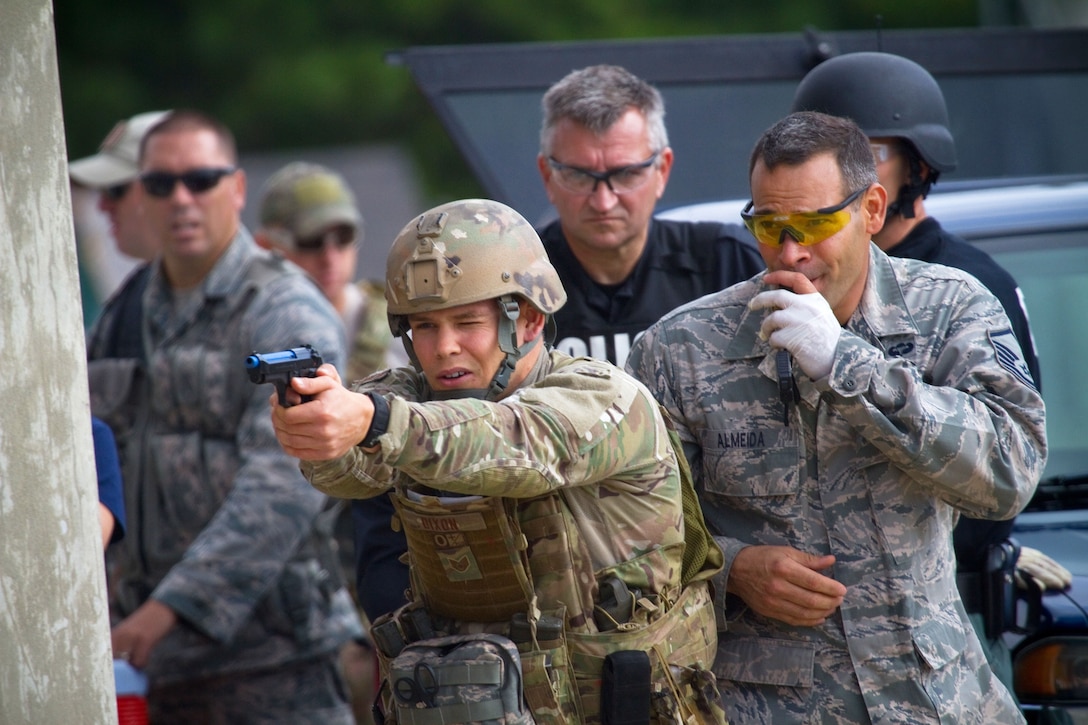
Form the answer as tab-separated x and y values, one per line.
468	251
887	96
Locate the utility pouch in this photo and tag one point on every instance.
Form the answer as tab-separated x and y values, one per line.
999	588
625	688
681	644
471	678
550	688
392	631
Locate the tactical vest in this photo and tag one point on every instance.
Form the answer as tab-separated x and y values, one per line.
475	563
682	261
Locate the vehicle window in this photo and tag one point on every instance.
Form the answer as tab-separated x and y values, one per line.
1018	125
1054	279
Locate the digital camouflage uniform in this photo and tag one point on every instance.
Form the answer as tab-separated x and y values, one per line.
927	412
221	522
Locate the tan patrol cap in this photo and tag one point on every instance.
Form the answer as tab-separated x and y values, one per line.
302	199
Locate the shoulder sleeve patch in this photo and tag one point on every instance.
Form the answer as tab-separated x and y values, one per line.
1009	355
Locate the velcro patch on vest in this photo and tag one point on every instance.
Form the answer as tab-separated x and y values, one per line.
455	556
440	523
460	564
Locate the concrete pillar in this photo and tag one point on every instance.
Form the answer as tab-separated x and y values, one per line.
55	661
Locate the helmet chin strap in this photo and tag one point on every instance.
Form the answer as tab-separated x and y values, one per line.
916	188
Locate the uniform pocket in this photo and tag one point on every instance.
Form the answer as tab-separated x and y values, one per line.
114	383
751	463
758	468
939	643
763	661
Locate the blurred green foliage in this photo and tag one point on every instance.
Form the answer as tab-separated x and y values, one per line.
287	74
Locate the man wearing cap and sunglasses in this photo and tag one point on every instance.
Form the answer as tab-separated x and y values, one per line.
839	413
113	171
308	214
225	590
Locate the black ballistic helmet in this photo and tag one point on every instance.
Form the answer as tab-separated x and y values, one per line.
886	95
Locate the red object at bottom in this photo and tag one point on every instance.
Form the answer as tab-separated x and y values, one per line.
131	710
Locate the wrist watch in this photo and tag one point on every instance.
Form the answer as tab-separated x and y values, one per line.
379	424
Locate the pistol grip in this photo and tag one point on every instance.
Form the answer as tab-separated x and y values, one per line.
281	391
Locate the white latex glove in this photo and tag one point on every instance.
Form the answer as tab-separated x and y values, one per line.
1047	573
802	324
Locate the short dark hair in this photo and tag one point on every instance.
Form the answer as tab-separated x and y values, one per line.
187	119
800	136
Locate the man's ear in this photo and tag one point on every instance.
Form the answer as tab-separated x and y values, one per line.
534	321
875	204
545	175
664	166
925	171
238	179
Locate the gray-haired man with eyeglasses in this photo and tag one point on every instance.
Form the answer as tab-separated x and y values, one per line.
605	161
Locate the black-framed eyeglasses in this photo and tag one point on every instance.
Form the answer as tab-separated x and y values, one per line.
620	180
340	236
117	191
197	181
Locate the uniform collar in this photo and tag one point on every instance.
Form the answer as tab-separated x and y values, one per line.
883	309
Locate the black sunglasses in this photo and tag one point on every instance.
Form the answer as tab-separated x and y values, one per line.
340	236
117	191
197	181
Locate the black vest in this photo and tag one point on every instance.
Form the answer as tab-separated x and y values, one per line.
682	261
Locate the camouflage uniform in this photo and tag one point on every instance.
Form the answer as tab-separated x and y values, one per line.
222	524
576	426
592	437
927	412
